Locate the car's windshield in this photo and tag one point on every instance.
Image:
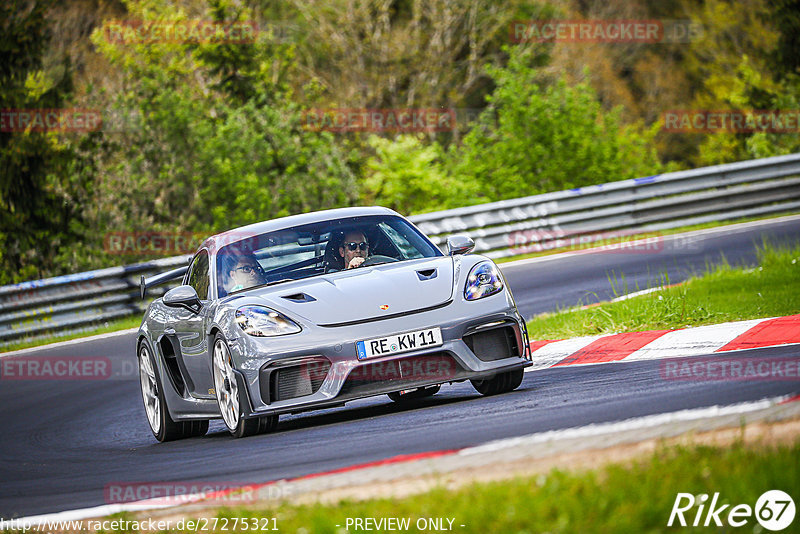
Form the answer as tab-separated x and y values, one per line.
314	249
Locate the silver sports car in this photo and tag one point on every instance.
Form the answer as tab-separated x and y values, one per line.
315	310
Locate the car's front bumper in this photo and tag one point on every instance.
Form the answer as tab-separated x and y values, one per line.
329	356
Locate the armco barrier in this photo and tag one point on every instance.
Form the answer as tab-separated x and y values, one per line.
721	192
65	304
54	306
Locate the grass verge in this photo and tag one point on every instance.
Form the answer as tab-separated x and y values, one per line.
91	330
723	293
634	497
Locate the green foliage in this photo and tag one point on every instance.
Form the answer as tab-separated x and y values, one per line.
744	61
764	144
204	136
218	141
533	139
409	176
37	210
261	164
786	16
783	97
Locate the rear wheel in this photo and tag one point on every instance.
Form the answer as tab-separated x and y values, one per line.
155	405
419	393
500	383
229	396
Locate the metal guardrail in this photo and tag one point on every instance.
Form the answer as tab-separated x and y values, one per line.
653	203
67	304
64	304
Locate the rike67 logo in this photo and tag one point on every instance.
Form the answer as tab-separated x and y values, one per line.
774	510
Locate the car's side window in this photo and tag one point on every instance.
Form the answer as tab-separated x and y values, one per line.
198	275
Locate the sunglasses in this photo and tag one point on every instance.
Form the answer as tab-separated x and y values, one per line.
248	269
352	246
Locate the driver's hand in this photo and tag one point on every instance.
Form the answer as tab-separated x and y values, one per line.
355	262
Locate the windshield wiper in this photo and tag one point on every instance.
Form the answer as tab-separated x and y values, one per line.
272	283
277	282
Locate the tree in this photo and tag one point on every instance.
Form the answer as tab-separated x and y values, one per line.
533	139
730	64
215	140
409	176
408	53
37	212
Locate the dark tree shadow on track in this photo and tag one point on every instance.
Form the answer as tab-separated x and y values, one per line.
344	414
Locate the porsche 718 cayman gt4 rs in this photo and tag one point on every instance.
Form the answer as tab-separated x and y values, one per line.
314	310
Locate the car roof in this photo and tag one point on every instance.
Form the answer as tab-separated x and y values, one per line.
230	236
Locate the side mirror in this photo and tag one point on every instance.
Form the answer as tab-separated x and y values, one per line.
183	297
459	244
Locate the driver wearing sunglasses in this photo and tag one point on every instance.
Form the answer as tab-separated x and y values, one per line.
354	249
246	273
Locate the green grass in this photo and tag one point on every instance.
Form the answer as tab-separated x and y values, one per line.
635	236
111	326
723	293
636	497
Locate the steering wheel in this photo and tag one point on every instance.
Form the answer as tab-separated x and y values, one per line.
376	259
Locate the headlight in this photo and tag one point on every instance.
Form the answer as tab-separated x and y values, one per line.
260	321
483	280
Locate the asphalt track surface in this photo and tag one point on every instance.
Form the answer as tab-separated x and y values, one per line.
65	441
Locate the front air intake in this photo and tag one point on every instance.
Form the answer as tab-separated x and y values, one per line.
292	381
493	344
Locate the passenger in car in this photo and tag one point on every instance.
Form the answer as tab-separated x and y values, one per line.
245	272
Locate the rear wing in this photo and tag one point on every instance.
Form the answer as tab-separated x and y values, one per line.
161	278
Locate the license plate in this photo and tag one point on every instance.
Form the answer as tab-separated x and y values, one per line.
398	343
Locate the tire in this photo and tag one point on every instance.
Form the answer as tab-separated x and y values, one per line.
229	399
419	393
500	383
155	405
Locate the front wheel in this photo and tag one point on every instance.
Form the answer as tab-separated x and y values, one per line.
500	383
229	396
155	405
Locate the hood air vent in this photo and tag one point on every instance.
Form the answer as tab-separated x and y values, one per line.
426	274
299	297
